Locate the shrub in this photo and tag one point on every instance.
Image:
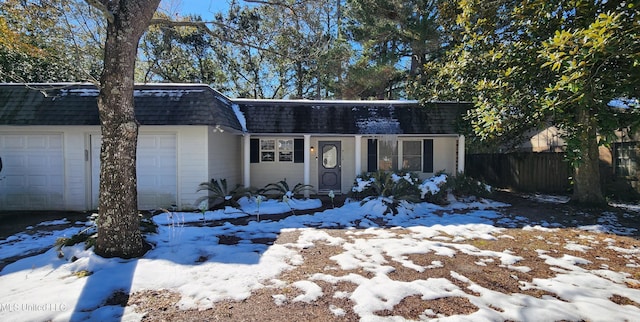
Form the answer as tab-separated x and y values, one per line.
433	190
392	187
436	189
281	189
464	186
401	185
218	196
395	187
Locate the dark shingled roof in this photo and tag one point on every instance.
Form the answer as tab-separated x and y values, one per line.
350	117
76	104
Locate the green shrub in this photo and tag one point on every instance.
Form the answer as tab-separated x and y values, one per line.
281	188
463	186
218	196
460	185
433	190
391	186
394	187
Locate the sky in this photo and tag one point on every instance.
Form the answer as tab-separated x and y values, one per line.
205	8
190	260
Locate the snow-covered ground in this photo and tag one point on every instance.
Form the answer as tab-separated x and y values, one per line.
73	284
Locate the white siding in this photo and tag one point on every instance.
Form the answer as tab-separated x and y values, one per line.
265	173
444	155
225	157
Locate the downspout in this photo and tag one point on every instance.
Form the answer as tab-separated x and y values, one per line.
246	158
307	162
461	154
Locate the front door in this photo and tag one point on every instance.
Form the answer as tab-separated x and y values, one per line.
329	167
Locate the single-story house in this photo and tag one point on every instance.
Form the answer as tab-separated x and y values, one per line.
190	133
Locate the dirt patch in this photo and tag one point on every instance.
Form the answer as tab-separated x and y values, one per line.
468	272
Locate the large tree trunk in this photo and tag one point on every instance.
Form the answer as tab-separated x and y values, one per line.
118	219
587	189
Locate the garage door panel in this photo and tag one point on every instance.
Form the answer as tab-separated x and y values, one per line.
167	142
146	164
37	142
13	142
167	162
144	181
12	161
12	181
38	162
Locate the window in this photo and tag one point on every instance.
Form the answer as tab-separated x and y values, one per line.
626	159
285	150
280	150
267	150
412	155
387	155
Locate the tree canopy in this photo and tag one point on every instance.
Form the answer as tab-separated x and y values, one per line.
49	40
534	63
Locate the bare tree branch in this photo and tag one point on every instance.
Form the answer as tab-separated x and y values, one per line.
205	28
103	8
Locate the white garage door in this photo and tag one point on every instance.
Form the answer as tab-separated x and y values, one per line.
32	177
156	170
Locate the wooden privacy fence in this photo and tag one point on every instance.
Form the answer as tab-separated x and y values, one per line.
521	171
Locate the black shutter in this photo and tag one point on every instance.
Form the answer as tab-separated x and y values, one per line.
298	150
427	156
372	155
255	151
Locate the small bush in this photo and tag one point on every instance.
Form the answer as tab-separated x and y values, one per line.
433	190
464	186
392	187
218	196
281	189
460	185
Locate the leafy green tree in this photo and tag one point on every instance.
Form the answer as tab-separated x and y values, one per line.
32	45
49	40
532	63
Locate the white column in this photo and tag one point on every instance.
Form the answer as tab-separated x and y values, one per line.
358	155
461	153
246	173
307	162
